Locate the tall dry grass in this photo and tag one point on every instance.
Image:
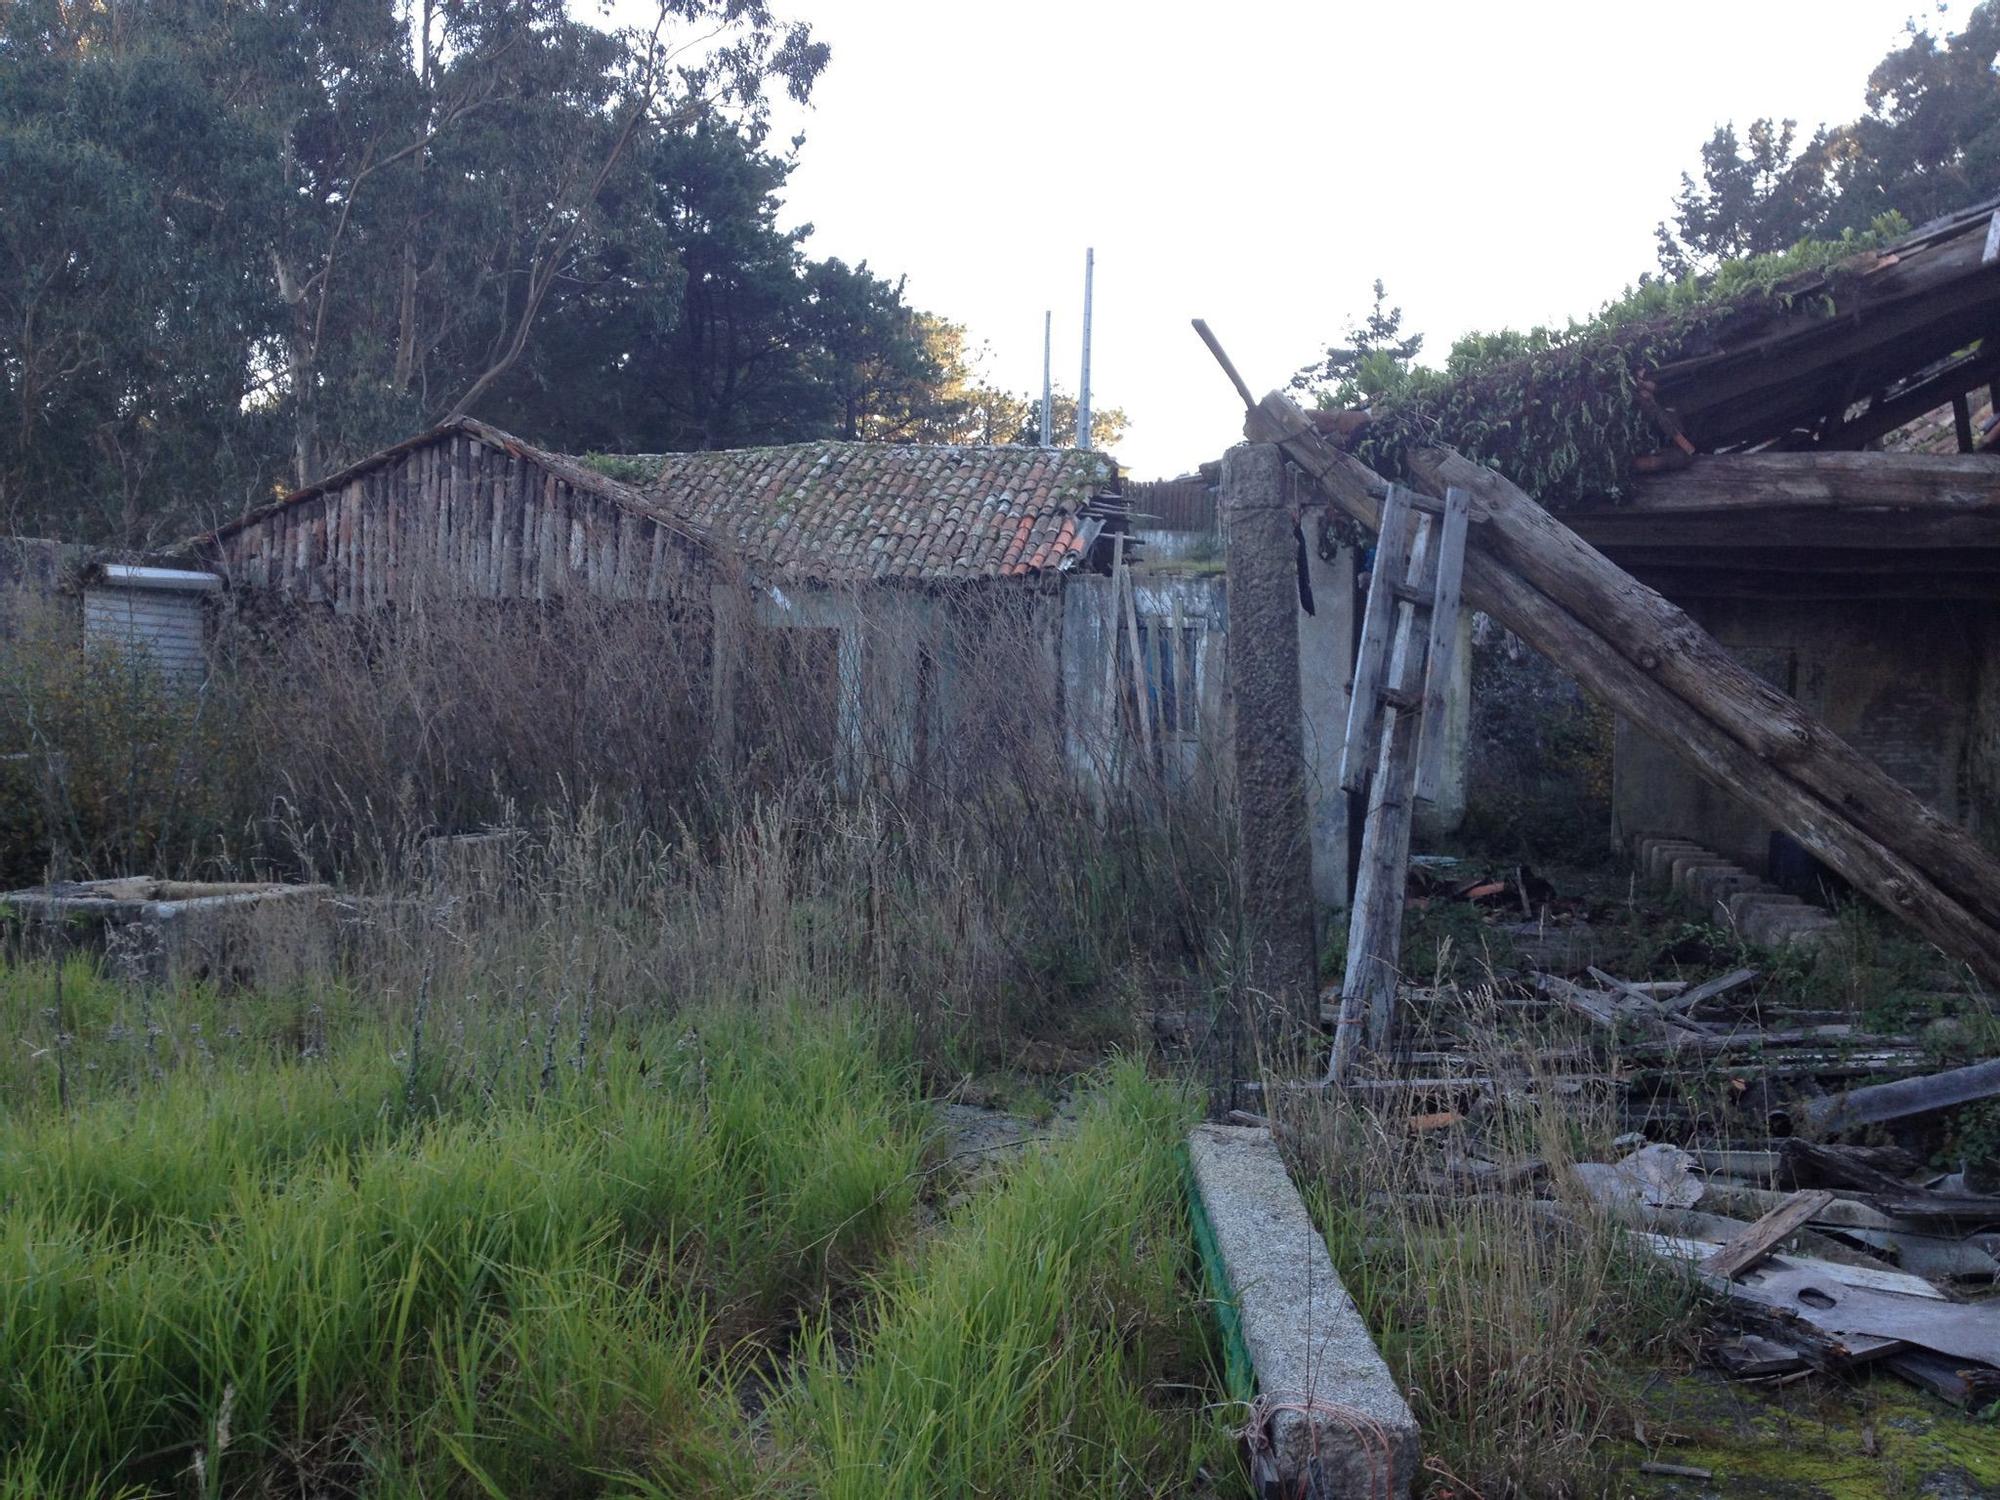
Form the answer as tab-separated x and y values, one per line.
1519	1320
907	809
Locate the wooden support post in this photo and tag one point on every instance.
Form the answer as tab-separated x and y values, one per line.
1375	924
1442	656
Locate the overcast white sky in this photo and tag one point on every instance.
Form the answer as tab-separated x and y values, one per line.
1259	163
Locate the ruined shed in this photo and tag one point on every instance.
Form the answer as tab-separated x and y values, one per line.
875	563
464	510
1803	515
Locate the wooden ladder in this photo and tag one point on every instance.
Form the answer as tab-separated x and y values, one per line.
1402	673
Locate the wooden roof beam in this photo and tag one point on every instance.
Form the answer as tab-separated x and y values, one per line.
1823	479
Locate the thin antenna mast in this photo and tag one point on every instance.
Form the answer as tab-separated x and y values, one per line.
1048	415
1083	386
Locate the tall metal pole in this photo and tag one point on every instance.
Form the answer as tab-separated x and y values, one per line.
1083	386
1048	414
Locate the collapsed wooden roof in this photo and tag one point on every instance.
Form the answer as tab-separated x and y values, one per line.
1833	357
1808	453
1849	353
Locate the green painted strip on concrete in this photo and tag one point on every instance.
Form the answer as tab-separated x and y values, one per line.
1239	1376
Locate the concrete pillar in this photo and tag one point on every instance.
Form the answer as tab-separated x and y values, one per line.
1436	819
1326	666
1273	834
1088	640
728	623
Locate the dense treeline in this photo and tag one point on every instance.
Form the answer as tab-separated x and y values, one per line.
1926	143
242	244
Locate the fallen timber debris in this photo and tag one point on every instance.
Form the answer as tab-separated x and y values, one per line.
1895	1101
1798	1311
1646	658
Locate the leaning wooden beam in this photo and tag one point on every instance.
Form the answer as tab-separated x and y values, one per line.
1739	733
1661	640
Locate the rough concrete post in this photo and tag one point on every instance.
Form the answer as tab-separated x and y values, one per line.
1273	834
729	622
1326	665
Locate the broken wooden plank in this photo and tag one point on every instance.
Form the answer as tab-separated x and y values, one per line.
1899	1100
1802	1163
1713	989
1764	1236
1750	1356
1364	704
1589	1003
1443	644
1963	1383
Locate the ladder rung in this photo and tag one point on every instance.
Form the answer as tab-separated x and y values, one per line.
1401	701
1410	595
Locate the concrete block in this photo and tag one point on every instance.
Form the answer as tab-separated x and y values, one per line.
1642	845
172	932
1660	861
1781	927
1715	884
1646	848
1680	874
1743	902
1333	1420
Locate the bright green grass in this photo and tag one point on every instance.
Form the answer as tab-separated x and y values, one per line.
1048	1345
309	1249
288	1270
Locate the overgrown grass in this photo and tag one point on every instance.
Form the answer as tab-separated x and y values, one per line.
1048	1345
1515	1327
578	1244
304	1274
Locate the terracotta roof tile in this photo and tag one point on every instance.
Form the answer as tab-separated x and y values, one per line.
851	512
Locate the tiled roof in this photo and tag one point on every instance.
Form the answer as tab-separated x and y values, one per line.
869	512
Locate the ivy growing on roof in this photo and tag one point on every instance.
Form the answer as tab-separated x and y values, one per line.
1559	410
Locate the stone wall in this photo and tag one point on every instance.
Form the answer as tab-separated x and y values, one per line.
1908	683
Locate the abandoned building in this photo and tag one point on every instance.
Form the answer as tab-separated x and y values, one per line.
1809	523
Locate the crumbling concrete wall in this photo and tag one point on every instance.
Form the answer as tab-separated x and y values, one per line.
37	574
1904	682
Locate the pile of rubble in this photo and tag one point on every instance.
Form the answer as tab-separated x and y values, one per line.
1828	1258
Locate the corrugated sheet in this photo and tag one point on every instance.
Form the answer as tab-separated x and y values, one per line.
163	628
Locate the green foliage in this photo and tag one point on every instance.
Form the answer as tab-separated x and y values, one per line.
1375	363
1556	409
1928	143
266	1268
124	769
